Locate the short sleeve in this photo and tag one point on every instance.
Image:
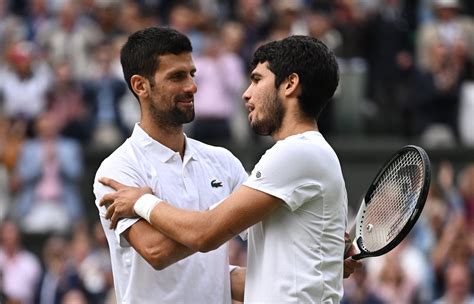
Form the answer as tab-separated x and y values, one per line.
120	174
288	172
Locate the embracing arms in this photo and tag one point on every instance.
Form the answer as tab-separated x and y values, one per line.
199	230
210	233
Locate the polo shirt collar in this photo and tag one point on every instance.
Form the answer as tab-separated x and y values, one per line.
158	150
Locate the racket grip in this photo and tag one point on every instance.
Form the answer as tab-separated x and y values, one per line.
348	245
348	239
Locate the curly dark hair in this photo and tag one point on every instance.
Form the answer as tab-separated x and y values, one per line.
314	63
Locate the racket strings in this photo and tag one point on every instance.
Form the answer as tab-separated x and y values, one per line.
392	201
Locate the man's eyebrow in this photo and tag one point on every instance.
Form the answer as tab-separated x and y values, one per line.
255	75
182	71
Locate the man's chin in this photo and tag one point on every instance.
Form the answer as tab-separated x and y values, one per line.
260	130
188	118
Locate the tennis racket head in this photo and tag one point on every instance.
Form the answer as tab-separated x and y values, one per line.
393	202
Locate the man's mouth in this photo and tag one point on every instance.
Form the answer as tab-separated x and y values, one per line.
186	102
250	109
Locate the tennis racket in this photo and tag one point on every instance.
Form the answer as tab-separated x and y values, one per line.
392	204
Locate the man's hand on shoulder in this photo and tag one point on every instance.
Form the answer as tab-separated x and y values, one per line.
120	203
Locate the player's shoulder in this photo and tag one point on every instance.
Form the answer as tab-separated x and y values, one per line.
122	157
300	144
125	165
306	148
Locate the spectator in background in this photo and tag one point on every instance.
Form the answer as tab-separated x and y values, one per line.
220	78
66	103
187	19
25	83
38	16
12	27
389	54
48	171
349	19
20	268
74	296
452	247
393	284
104	91
466	188
431	224
359	290
287	19
4	192
254	16
445	47
94	266
12	135
70	37
458	283
134	16
128	107
105	14
449	28
401	276
443	207
59	276
321	26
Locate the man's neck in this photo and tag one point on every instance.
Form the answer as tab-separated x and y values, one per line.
171	137
290	128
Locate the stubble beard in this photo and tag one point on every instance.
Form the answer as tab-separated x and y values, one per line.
274	112
174	117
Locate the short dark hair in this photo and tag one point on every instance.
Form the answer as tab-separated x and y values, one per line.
139	55
314	63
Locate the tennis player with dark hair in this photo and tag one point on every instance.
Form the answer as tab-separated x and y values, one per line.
294	203
159	70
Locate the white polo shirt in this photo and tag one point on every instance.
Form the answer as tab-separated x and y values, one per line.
205	176
296	254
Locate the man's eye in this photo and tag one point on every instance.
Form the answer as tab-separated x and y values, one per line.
181	76
177	76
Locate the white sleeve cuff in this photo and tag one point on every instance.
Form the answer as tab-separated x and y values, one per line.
232	268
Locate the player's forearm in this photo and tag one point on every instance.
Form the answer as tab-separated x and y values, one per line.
207	230
194	229
156	248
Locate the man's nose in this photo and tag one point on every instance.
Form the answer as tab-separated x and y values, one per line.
191	86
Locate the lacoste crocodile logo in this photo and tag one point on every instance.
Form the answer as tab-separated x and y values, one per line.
216	184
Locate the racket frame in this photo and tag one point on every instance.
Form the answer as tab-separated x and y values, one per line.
355	232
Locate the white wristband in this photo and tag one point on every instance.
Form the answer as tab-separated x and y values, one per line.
145	204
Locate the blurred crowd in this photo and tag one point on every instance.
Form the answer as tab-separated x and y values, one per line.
406	69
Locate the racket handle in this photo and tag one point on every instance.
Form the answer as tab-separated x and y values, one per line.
352	232
349	238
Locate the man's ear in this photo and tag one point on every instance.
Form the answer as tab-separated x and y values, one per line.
140	85
292	85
